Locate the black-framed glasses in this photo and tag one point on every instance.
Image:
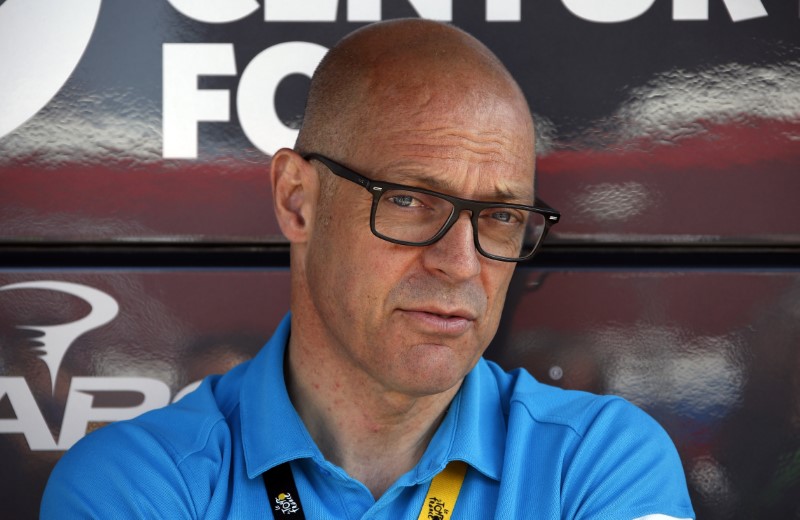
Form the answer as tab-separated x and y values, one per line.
414	216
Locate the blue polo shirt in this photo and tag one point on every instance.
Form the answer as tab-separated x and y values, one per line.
533	451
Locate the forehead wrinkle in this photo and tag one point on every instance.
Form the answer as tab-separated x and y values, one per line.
453	141
494	145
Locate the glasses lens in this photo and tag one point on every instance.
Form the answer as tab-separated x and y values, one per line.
510	232
410	216
415	218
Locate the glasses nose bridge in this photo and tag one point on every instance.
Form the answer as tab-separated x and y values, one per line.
458	208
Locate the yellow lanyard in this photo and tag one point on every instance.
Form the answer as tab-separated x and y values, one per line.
443	493
438	505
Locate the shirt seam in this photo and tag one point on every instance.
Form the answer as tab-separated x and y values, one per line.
578	427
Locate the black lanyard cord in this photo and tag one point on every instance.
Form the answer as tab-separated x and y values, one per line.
282	493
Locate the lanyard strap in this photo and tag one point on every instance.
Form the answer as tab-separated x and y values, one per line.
282	493
438	505
443	493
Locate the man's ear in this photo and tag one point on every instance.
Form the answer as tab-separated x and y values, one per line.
295	190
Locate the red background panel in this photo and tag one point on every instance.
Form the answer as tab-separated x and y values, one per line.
734	183
217	201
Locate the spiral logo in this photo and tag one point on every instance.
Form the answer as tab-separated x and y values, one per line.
55	340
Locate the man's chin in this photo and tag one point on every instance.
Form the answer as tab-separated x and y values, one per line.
433	368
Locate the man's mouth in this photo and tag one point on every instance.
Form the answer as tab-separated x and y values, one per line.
440	321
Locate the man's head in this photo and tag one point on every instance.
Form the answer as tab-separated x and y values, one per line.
400	64
417	103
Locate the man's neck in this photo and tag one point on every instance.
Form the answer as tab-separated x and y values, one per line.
374	434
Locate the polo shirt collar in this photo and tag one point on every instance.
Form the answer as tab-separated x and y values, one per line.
272	431
473	430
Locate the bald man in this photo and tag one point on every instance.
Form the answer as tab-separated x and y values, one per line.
407	200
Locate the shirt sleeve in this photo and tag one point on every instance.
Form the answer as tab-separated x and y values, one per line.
624	467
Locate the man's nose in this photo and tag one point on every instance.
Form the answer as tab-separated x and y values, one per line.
455	254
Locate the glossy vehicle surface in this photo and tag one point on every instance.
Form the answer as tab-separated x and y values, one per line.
135	206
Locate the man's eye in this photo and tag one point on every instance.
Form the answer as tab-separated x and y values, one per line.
503	216
506	216
405	201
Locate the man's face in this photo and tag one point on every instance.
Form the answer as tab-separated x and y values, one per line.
416	319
